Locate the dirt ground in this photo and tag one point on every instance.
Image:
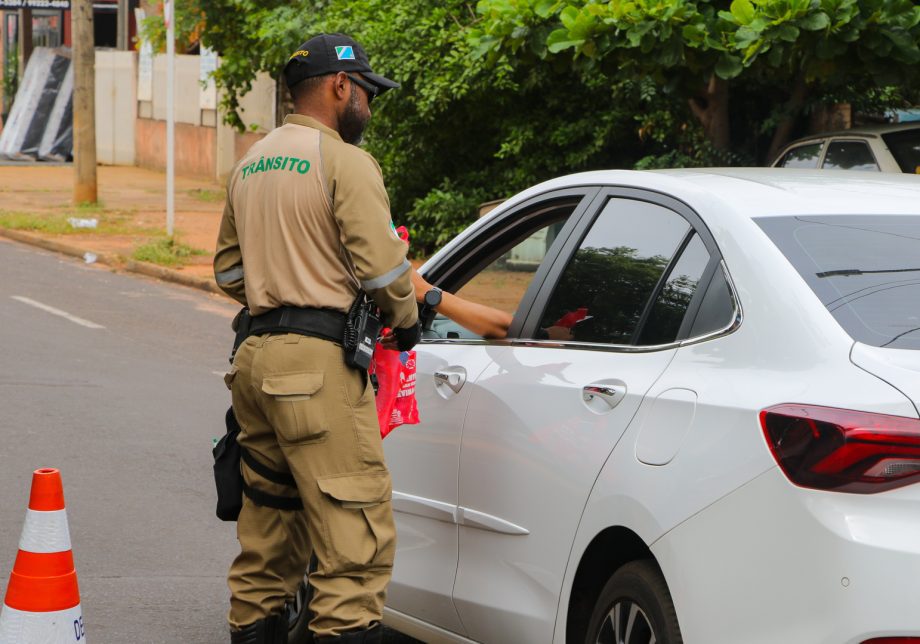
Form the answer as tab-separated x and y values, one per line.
131	211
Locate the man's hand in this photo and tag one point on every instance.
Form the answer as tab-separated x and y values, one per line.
402	339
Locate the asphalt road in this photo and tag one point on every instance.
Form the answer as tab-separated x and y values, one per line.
120	388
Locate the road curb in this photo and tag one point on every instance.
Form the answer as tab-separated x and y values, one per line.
114	261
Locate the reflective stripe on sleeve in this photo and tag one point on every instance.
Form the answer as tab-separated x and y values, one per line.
231	275
387	278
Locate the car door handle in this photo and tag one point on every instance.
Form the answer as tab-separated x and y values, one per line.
452	377
610	394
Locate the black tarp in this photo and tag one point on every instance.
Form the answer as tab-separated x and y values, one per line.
57	142
35	101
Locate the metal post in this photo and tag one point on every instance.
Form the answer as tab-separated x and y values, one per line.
84	102
169	8
124	21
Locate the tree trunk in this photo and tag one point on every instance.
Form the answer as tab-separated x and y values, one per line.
711	110
791	112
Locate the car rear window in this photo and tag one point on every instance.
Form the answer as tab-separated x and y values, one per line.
905	148
864	269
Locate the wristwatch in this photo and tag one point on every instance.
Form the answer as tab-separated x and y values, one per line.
432	299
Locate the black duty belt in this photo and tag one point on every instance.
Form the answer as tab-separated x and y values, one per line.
322	323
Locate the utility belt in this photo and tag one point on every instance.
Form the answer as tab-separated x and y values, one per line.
356	331
320	323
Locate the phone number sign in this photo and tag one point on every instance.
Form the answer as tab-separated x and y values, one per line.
34	4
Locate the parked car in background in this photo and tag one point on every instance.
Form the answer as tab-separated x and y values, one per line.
874	148
719	442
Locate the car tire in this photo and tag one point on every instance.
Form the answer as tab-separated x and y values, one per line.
634	607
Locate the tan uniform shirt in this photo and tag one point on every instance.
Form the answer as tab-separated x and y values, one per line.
307	223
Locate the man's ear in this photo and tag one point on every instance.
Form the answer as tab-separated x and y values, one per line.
340	87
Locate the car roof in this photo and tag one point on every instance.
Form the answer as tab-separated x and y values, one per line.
723	197
759	192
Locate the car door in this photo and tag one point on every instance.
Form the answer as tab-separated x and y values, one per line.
545	414
501	265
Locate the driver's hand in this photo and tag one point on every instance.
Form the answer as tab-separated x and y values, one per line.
421	286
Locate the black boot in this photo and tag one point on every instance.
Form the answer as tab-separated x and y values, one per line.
271	630
372	635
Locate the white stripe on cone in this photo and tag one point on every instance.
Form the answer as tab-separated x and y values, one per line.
45	532
57	627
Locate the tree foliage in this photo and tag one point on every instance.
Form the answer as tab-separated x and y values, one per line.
504	93
790	50
462	129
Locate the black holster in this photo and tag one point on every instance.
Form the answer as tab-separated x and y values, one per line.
228	477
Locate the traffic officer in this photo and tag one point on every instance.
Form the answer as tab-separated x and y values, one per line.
306	226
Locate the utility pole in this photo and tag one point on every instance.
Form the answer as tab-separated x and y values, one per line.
84	102
169	8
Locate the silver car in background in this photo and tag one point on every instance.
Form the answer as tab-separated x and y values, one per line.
872	148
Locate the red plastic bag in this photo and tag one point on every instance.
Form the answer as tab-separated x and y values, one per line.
396	403
395	371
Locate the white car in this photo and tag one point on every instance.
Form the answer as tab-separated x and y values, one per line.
702	427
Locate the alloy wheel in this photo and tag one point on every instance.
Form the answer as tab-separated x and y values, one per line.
626	623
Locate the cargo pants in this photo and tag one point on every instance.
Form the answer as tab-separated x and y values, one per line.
303	411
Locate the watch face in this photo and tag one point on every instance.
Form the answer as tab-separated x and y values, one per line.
433	297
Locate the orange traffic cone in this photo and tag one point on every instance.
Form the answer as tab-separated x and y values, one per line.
42	603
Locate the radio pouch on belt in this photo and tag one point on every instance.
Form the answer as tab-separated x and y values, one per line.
229	478
362	325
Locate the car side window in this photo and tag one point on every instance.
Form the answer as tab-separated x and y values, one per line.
667	313
606	286
504	279
849	155
803	156
717	309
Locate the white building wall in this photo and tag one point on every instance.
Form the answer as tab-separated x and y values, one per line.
116	100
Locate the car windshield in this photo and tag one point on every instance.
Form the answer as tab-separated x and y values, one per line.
864	269
905	148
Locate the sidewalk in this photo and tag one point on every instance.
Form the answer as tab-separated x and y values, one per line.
35	206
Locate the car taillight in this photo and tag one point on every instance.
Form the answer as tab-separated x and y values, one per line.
843	450
893	640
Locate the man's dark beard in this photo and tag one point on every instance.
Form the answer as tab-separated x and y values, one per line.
352	122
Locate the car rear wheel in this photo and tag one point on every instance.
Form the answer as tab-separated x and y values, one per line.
634	607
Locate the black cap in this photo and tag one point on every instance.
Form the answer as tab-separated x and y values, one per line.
329	54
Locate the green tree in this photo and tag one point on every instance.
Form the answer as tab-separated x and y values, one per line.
461	130
786	52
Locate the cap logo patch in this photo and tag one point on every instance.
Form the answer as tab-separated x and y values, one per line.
345	52
300	52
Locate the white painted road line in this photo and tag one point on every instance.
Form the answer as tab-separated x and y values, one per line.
59	312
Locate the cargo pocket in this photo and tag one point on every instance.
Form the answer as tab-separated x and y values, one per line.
230	376
357	515
295	408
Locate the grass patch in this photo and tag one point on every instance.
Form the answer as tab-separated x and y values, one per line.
166	252
53	224
207	195
115	222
